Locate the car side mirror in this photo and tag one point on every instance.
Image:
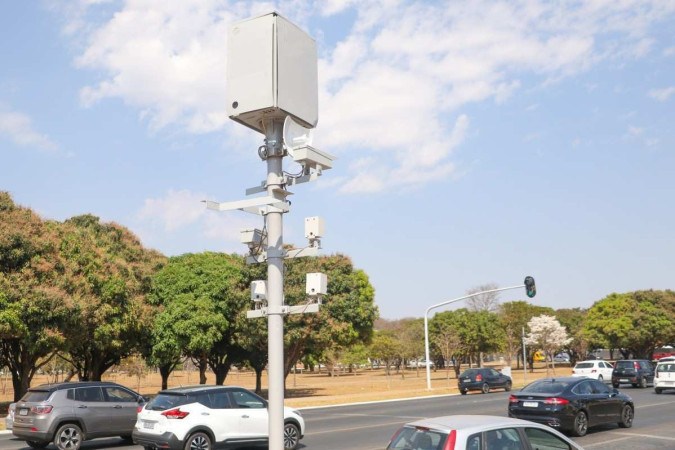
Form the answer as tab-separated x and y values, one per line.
614	392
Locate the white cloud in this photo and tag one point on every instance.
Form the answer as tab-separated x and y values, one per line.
179	210
662	95
18	128
390	91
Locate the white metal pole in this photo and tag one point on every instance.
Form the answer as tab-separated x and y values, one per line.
275	287
524	358
426	322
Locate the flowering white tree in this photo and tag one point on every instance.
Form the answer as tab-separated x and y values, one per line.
548	335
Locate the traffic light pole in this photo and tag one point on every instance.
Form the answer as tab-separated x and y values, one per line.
426	321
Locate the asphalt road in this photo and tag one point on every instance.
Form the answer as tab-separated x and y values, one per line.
369	426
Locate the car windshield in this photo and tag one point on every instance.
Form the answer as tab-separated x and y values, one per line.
624	364
546	387
586	365
670	367
409	438
166	401
36	396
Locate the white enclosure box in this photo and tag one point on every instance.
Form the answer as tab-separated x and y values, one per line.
314	227
258	290
251	236
271	72
317	284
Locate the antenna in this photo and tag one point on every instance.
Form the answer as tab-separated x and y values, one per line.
296	136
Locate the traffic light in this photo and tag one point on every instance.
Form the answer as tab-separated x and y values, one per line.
530	288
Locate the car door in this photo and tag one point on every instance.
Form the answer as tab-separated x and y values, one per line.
122	406
496	378
608	405
648	370
92	410
587	399
606	371
252	412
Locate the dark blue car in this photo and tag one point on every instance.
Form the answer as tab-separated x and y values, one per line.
483	379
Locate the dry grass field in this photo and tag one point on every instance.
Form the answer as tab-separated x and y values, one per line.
317	389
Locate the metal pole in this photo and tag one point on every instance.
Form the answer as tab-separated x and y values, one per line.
524	358
275	287
426	322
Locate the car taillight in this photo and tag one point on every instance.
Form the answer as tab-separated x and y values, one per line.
42	409
513	399
636	365
450	441
556	401
139	408
175	414
479	377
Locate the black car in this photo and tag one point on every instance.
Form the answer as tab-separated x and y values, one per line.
638	372
483	379
572	404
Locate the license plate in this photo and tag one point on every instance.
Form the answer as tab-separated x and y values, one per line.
530	404
624	380
466	380
23	412
149	425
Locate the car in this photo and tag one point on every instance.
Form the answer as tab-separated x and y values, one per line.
204	417
562	358
483	379
475	432
572	404
638	372
667	358
597	368
9	420
67	414
421	363
664	376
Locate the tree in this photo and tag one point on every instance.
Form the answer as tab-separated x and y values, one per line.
483	302
573	319
109	275
33	304
547	334
635	322
444	334
385	348
203	296
345	318
513	318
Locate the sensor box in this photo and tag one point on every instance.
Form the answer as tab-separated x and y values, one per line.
314	227
258	290
271	72
317	284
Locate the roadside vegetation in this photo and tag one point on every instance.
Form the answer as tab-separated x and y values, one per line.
80	297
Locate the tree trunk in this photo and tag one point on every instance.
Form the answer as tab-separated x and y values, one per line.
165	371
258	379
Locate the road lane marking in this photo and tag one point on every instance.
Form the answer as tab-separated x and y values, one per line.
603	443
650	436
340	430
654	404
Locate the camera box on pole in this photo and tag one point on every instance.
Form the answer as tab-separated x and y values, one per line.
271	73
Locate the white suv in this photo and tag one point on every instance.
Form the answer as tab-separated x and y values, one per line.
204	417
596	368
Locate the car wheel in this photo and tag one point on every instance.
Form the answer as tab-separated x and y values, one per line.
68	437
508	386
462	391
626	417
198	441
36	444
615	385
657	390
643	382
291	436
127	438
580	424
600	379
485	388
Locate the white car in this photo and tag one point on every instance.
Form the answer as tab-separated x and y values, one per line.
664	376
596	368
470	432
9	420
206	417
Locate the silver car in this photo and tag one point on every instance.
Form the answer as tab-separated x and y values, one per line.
66	414
469	432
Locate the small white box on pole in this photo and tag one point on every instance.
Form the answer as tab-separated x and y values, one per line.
314	227
258	290
317	284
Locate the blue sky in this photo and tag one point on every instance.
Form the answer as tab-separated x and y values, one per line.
478	141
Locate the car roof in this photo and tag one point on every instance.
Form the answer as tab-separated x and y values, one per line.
71	384
184	390
593	361
469	423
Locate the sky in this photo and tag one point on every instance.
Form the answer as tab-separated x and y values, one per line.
477	141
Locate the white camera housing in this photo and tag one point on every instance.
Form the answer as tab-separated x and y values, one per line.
314	227
251	237
258	290
317	284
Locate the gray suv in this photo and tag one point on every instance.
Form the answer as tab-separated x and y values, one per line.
69	413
